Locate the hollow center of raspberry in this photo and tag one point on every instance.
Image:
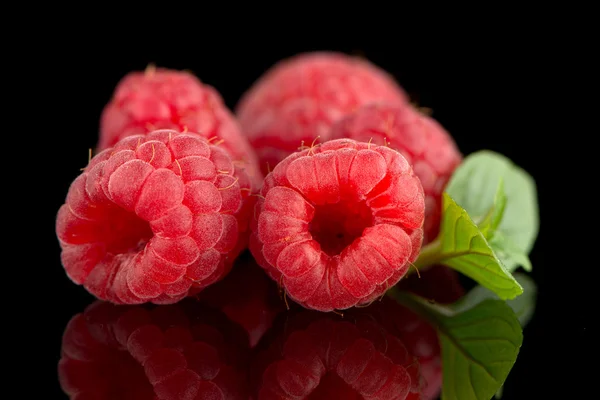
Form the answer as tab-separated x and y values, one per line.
125	232
331	386
336	226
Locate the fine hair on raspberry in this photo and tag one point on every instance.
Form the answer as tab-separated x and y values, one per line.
155	218
339	223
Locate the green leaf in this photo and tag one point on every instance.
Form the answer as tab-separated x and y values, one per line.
479	345
507	252
511	256
474	185
523	306
462	246
490	223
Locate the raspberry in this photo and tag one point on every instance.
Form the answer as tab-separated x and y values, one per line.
300	98
319	356
168	99
154	218
247	296
178	352
338	223
425	143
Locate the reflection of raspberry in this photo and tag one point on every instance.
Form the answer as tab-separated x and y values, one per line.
438	283
425	143
338	223
300	98
316	356
168	99
179	352
247	296
419	337
153	217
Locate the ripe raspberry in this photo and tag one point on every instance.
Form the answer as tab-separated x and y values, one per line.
338	223
316	356
178	352
425	143
168	99
300	98
247	296
153	218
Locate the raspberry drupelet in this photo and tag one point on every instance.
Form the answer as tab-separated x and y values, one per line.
339	223
299	98
161	98
154	218
177	352
426	145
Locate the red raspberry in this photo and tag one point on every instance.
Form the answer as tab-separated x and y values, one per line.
316	356
247	296
300	98
178	352
168	99
339	223
153	218
425	143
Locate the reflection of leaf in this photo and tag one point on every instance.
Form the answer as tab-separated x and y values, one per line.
474	186
523	306
464	248
479	345
498	394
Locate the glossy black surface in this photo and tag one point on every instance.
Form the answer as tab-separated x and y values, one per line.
480	95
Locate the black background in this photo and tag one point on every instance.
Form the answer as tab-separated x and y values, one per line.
481	93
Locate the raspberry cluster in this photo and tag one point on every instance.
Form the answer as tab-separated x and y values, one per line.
326	189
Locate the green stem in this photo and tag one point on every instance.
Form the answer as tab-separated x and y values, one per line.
429	255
